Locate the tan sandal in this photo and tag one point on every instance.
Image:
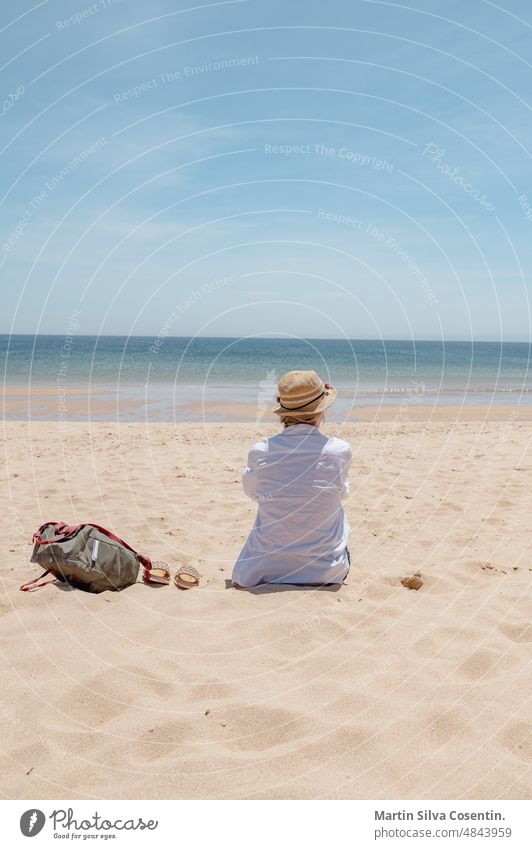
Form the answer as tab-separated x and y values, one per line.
187	578
158	574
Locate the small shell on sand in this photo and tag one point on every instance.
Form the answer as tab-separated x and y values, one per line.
412	582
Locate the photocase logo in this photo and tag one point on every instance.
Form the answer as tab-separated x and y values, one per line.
63	823
32	822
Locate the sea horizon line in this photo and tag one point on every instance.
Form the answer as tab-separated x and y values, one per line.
277	338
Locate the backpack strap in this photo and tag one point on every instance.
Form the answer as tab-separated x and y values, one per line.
62	532
146	562
28	588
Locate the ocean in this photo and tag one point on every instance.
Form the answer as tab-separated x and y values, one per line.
170	372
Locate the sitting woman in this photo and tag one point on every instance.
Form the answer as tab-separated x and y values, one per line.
298	477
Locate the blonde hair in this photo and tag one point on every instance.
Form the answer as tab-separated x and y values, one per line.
312	420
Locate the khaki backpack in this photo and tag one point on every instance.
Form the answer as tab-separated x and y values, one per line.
86	556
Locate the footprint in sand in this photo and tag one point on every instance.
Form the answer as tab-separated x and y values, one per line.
96	702
518	739
477	664
262	728
517	633
163	738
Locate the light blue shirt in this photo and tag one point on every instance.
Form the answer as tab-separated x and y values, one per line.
298	478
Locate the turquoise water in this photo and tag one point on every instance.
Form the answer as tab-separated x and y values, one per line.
172	371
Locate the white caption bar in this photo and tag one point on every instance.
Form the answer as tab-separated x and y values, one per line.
269	824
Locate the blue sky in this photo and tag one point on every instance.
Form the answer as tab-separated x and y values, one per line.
356	169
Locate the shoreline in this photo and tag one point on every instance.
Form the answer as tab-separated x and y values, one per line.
132	404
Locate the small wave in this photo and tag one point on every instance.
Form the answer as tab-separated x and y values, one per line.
454	390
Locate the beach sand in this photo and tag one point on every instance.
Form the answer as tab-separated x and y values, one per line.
369	691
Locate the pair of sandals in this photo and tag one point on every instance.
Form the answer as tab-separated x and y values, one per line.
185	579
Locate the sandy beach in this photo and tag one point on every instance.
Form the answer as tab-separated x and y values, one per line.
369	691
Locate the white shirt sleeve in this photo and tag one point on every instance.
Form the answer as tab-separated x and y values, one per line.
249	478
249	482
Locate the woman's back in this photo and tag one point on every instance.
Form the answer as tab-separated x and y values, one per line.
298	479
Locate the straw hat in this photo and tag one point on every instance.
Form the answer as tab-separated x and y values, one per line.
303	393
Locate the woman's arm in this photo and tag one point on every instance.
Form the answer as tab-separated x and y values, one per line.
249	482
